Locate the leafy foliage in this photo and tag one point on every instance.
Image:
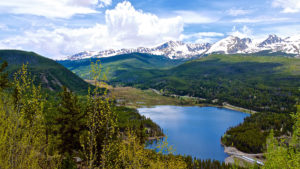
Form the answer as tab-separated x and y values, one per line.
22	129
281	155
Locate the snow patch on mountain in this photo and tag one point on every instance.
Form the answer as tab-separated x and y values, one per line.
228	45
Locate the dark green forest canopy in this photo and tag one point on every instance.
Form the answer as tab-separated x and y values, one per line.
50	74
260	83
113	66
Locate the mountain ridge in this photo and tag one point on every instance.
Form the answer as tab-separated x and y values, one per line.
46	72
228	45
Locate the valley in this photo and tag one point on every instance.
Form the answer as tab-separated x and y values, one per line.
266	87
167	84
241	82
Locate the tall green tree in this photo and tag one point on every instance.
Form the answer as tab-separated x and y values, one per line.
3	76
101	123
70	122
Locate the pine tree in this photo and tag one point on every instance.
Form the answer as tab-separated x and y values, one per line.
70	122
3	76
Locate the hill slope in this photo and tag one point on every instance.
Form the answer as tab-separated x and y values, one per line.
116	65
259	83
48	73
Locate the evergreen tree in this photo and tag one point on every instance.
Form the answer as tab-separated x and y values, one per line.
70	122
3	76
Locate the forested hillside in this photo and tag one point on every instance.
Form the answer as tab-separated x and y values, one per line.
267	84
46	72
65	131
254	82
116	65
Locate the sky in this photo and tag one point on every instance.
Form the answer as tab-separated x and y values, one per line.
58	28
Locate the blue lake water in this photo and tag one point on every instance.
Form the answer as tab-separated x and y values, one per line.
195	131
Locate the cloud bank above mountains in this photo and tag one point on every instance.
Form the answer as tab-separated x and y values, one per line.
54	26
53	8
124	27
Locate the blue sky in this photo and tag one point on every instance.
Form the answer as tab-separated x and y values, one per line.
59	28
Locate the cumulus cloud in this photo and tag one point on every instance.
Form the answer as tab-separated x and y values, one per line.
288	6
238	12
58	42
52	8
131	26
125	27
191	17
244	32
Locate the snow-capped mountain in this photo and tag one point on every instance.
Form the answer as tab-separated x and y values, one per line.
179	50
231	45
171	49
228	45
272	39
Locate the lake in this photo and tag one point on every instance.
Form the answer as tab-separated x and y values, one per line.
195	131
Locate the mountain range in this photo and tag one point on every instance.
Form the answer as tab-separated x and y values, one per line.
228	45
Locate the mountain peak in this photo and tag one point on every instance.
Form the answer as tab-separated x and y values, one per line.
171	44
229	45
271	40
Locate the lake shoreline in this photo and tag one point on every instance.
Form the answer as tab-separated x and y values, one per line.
137	98
227	106
155	138
235	154
214	119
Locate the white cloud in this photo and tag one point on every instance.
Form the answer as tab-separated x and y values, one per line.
58	42
52	8
288	6
237	12
3	27
207	40
244	32
191	17
259	20
125	27
202	37
284	30
126	24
